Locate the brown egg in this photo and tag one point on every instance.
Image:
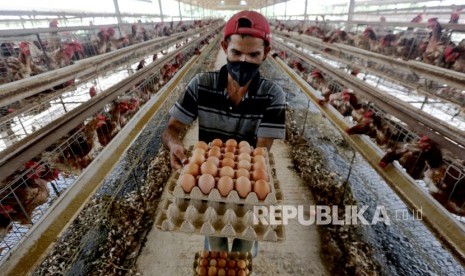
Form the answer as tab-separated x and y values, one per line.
258	158
261	188
203	262
212	271
230	148
205	254
245	150
243	144
187	182
216	142
227	171
243	186
244	156
199	151
225	185
244	164
192	168
242	172
215	151
201	145
221	272
213	262
232	264
241	264
202	271
222	263
231	142
206	183
258	174
229	155
259	151
197	159
223	255
241	272
214	254
228	162
259	165
209	167
215	160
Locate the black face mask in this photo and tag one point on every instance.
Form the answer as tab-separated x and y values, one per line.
242	71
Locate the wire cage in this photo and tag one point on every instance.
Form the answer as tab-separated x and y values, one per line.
26	195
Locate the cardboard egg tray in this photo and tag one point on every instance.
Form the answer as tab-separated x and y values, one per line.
218	219
232	256
274	197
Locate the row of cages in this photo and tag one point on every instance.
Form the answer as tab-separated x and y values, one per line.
26	116
27	194
443	100
432	44
22	56
434	170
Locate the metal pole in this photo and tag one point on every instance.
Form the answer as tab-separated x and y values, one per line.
161	10
192	14
179	7
350	14
118	16
305	10
285	10
274	4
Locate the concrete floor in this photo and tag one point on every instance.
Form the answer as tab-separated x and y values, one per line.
172	253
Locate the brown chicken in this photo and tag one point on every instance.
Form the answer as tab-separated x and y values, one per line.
28	190
414	156
446	184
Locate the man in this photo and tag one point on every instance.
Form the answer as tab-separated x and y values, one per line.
234	102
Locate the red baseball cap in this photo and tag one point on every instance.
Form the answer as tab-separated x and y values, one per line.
259	26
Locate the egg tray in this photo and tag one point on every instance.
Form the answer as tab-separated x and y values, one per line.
236	256
274	197
217	219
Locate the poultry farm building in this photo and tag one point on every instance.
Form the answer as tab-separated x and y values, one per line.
375	95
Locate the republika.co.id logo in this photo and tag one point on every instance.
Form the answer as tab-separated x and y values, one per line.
325	215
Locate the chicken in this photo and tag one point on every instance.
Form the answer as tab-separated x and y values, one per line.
115	43
367	40
435	48
415	156
455	58
107	126
54	42
92	91
344	101
366	125
296	64
416	19
446	184
317	81
28	190
455	15
140	65
78	150
338	36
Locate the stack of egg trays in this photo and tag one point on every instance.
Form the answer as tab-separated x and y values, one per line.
274	197
211	218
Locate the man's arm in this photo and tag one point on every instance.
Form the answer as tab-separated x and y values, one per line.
170	139
265	142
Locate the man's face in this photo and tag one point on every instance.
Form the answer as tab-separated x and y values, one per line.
248	48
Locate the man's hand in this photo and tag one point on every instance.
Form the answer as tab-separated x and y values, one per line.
177	156
170	139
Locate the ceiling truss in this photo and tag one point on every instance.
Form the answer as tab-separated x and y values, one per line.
232	4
